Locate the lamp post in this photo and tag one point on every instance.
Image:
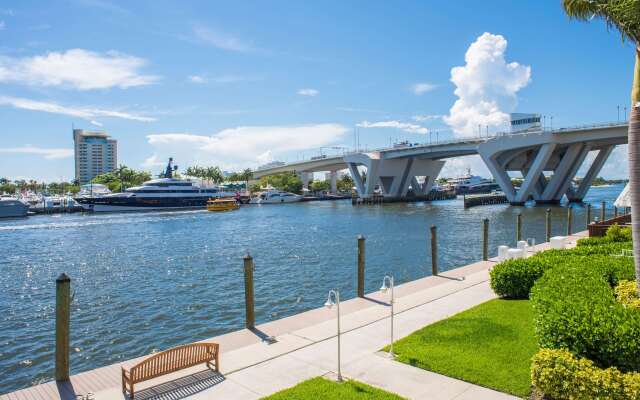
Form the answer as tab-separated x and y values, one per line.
384	289
335	293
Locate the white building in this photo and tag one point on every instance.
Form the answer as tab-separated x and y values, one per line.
525	122
95	153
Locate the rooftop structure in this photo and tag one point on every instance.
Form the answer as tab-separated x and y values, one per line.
95	153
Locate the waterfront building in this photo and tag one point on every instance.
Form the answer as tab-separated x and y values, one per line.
525	122
95	153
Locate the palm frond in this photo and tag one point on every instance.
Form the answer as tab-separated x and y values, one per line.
623	15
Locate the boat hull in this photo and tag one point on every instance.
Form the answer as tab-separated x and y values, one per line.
106	204
14	210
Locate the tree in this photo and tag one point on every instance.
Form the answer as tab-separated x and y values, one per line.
246	176
122	176
624	16
288	181
317	186
345	184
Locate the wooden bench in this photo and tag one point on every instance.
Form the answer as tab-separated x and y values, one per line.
169	361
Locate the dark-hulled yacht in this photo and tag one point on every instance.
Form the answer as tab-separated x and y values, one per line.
165	193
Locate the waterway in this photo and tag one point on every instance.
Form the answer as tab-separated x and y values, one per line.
150	281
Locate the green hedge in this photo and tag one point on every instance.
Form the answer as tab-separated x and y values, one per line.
515	278
615	234
562	376
575	308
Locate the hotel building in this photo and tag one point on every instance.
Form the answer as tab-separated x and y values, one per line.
95	153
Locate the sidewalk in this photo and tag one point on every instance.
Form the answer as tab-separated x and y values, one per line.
306	346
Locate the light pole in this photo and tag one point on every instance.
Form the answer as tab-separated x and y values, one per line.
330	303
384	289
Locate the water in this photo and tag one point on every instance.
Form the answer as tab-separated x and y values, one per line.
151	281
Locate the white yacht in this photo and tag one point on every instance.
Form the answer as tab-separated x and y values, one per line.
166	193
468	183
273	196
11	207
93	190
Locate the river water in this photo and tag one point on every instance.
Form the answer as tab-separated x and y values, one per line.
148	281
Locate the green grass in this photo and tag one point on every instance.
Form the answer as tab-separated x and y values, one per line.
489	345
321	388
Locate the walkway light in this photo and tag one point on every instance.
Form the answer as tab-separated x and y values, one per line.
384	289
335	293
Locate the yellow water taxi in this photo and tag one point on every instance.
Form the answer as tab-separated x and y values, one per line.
224	204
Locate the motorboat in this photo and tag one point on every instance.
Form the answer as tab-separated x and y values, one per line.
222	204
10	207
275	196
93	190
164	193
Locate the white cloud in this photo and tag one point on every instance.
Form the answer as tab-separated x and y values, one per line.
49	154
76	68
425	118
221	40
405	126
308	92
196	79
486	86
241	147
96	123
84	113
422	87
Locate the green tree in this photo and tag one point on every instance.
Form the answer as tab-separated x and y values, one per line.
317	186
345	184
246	176
288	181
122	176
624	16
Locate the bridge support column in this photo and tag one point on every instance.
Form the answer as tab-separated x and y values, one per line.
594	170
305	177
561	174
567	187
334	182
357	178
499	172
430	169
533	175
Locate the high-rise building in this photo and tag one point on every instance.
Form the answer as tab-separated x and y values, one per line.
95	153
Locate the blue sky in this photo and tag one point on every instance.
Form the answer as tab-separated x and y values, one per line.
237	84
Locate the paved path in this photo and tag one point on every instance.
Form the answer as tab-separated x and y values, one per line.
306	347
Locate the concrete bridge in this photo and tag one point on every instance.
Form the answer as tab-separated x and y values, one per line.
547	159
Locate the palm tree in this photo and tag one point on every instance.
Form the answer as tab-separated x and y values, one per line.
623	15
246	175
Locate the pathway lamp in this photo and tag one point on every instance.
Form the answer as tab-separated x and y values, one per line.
334	299
389	279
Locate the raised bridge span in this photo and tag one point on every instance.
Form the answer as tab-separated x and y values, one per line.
547	159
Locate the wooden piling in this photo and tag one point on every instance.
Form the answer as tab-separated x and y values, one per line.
569	219
588	214
603	209
615	211
548	225
361	264
250	318
63	319
518	227
434	250
485	239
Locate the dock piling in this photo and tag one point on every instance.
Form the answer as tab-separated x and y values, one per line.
548	225
615	211
250	318
361	264
63	319
485	239
434	251
588	214
569	219
518	227
603	209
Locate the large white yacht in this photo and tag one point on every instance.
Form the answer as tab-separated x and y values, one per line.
274	196
164	193
11	207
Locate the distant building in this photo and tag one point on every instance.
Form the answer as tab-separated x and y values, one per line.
95	153
525	122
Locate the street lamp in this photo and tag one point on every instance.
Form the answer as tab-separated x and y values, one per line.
384	289
329	304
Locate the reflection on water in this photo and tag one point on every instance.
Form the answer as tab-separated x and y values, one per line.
148	281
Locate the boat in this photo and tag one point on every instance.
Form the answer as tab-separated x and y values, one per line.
164	193
274	196
222	204
93	190
11	207
469	184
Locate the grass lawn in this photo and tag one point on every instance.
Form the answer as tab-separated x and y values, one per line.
321	388
490	345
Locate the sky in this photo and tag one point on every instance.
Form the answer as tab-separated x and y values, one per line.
239	84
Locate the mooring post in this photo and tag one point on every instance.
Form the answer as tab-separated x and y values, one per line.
63	318
518	227
485	239
361	261
250	317
569	219
548	225
588	214
434	250
615	211
603	209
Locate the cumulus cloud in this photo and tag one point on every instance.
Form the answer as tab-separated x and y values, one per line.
241	147
486	86
308	92
404	126
422	88
221	40
49	154
84	113
76	68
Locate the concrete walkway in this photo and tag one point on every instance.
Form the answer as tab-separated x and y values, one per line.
306	346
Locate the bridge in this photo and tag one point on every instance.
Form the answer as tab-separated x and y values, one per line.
548	160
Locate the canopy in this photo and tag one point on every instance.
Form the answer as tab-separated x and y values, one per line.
624	200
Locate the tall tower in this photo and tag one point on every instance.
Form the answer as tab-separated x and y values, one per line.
95	153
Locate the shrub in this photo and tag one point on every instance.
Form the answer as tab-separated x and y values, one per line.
627	294
615	234
575	308
562	376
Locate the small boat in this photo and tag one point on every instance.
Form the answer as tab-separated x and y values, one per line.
225	204
273	196
12	208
